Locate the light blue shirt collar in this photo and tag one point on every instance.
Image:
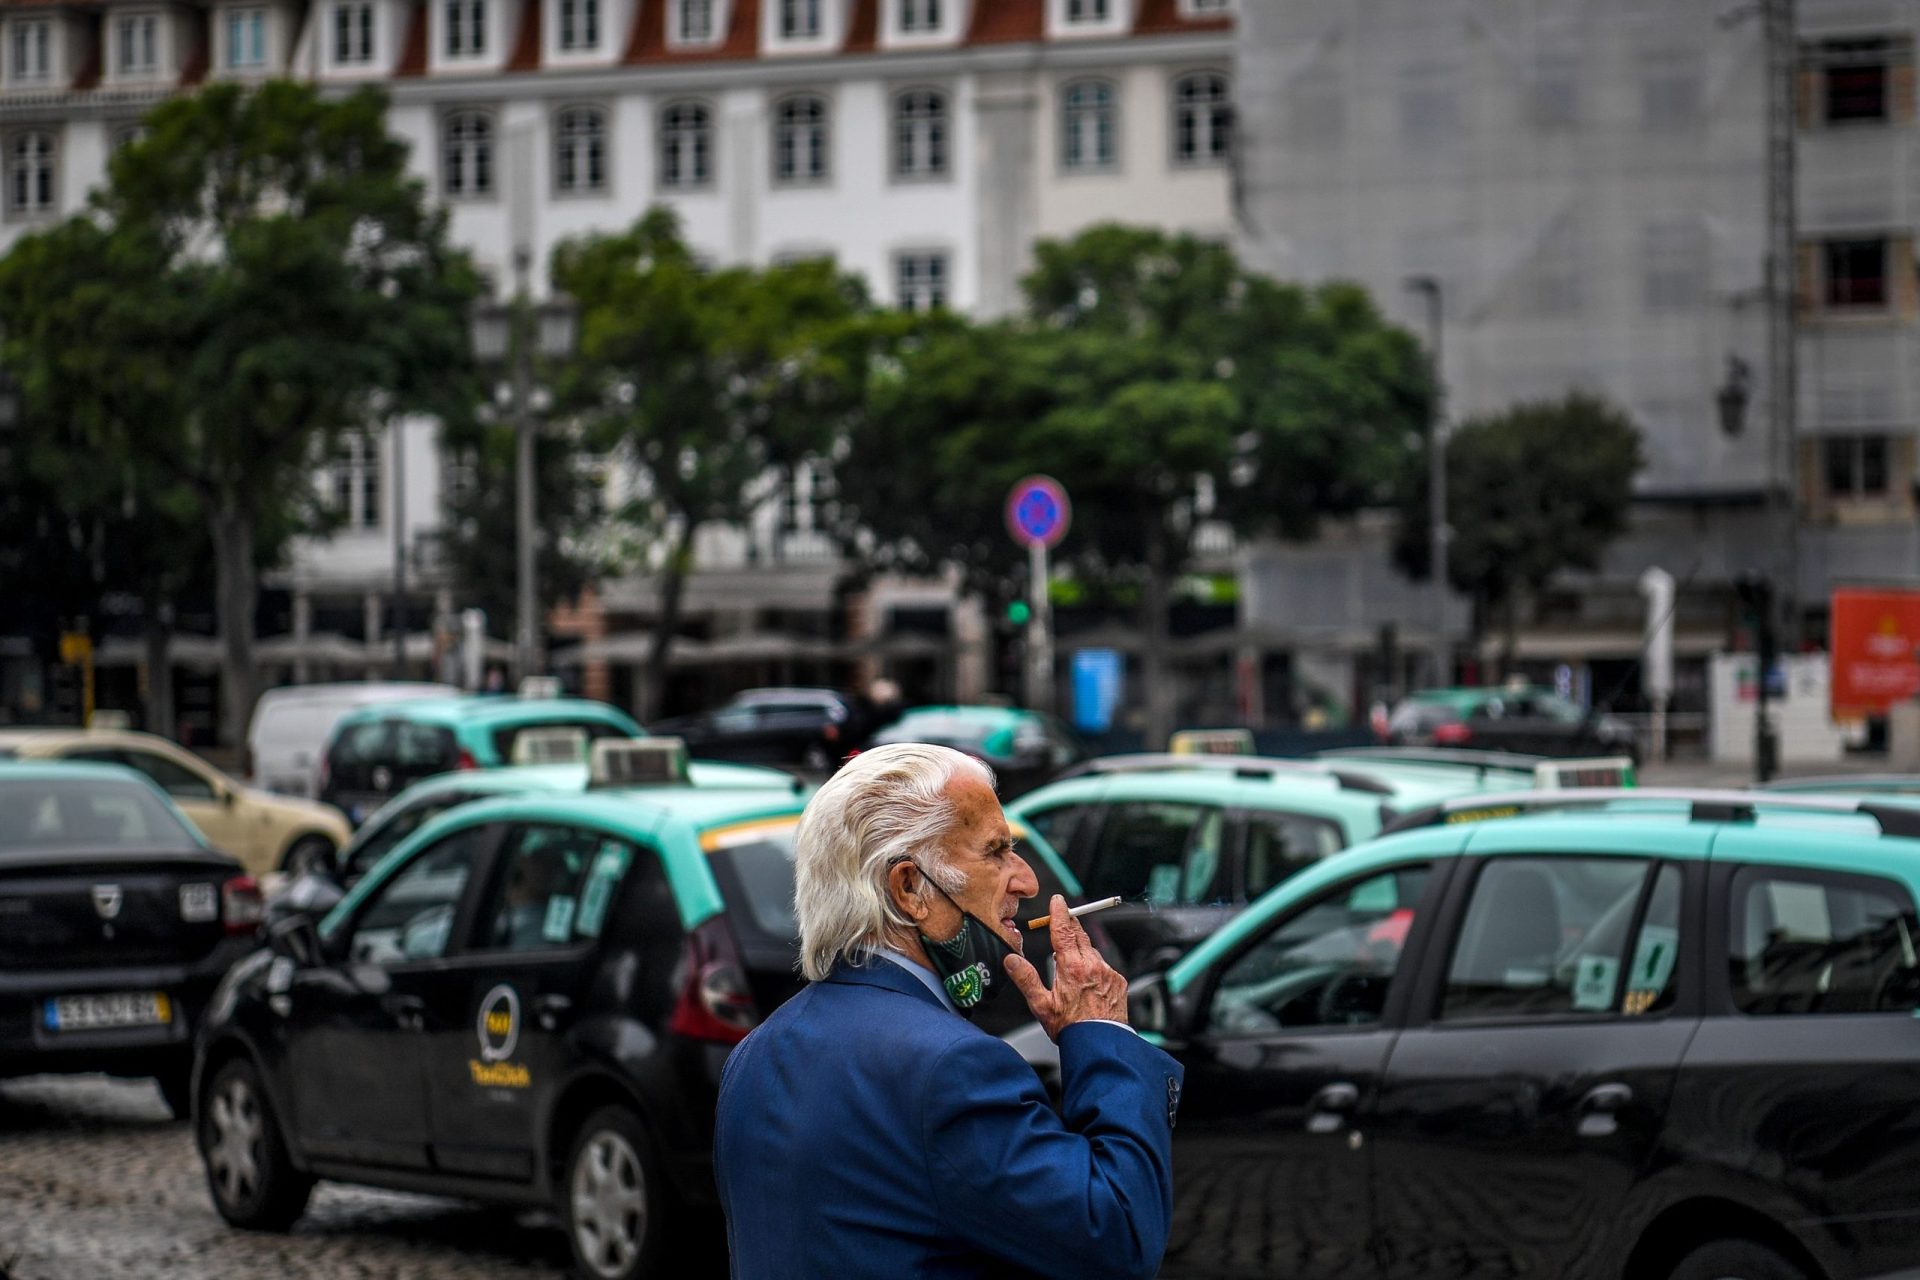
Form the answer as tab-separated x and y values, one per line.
920	971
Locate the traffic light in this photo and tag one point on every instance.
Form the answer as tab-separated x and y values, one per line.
1018	612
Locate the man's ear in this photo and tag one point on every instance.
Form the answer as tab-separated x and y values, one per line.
904	885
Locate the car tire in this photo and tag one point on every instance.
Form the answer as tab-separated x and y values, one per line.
1736	1260
611	1198
307	854
176	1090
251	1176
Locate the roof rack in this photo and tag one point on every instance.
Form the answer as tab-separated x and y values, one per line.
1256	768
1462	758
1703	806
1841	781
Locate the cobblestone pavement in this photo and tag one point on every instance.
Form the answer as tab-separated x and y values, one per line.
97	1183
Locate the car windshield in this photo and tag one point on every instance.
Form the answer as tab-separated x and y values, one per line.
72	813
754	865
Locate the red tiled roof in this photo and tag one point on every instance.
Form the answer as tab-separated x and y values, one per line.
413	50
1007	21
1161	17
649	41
863	28
526	49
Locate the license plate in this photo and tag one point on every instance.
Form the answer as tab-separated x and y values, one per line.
104	1012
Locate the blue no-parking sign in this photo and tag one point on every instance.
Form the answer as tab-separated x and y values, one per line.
1038	511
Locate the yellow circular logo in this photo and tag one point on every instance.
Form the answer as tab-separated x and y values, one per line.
499	1024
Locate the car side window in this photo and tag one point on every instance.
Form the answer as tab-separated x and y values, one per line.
1328	964
176	780
411	916
1057	827
1547	937
553	890
1802	943
1281	844
377	844
1166	853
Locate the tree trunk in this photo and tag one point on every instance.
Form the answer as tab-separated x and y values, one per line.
673	589
1153	629
157	632
235	592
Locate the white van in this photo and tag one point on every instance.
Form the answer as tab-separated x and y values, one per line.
291	725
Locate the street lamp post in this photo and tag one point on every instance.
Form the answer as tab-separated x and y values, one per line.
1437	532
513	331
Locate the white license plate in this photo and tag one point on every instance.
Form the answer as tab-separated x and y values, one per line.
120	1009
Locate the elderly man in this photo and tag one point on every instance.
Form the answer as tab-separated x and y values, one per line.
869	1129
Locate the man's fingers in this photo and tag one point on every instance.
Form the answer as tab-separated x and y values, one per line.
1027	980
1069	937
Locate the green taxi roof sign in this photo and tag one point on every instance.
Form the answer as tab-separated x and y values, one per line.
637	762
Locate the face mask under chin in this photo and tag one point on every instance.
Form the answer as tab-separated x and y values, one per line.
970	963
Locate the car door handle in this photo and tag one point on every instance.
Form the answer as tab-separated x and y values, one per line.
1332	1107
409	1011
549	1010
1600	1110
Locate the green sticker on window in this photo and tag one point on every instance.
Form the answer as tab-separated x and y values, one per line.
1653	958
1593	983
608	868
558	925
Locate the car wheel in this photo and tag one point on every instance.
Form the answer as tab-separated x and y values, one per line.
1736	1260
249	1172
176	1089
611	1197
306	855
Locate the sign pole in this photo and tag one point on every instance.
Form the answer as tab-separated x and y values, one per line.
1038	514
1039	631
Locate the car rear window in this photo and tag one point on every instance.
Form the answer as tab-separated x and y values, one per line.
754	866
503	739
361	743
1804	943
74	814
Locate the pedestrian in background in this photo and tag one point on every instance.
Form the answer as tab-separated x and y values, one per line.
869	1129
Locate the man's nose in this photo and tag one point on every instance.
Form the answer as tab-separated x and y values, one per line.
1025	884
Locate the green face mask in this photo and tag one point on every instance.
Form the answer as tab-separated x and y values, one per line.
969	962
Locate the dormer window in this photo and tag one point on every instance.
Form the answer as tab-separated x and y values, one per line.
1204	8
31	47
579	25
138	45
353	33
919	16
1088	10
466	28
799	19
693	20
246	39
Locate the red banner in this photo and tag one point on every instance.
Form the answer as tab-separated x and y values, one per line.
1875	643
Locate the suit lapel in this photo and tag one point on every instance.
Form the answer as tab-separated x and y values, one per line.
885	974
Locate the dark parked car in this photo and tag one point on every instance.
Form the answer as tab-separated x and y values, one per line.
1025	749
1632	1036
116	924
1509	718
811	728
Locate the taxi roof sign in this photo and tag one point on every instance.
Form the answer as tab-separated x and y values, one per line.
1603	771
550	744
637	762
541	687
1211	742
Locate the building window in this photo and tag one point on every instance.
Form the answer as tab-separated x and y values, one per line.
30	159
32	51
466	28
1856	274
686	145
799	19
353	33
1857	80
1087	10
920	281
139	44
800	140
695	19
1086	125
467	154
1856	466
354	480
246	38
580	150
919	15
1673	257
1202	118
920	134
579	25
1210	6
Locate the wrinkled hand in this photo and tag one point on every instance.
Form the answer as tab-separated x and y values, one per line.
1085	987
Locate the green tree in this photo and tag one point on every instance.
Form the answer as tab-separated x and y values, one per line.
711	384
1150	374
1534	491
258	273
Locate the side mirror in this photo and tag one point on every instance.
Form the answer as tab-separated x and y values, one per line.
295	938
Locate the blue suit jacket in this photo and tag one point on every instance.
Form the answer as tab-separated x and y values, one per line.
865	1130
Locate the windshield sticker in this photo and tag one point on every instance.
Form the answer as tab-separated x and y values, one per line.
1593	983
608	868
558	926
1653	959
1163	883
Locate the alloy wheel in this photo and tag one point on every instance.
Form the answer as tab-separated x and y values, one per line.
609	1204
239	1133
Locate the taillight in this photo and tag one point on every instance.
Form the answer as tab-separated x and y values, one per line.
466	760
1451	735
715	1004
830	732
242	909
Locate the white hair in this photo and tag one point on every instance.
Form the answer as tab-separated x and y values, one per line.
884	805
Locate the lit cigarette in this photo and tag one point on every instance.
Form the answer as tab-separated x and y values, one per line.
1086	910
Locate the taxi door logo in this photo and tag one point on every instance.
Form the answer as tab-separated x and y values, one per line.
498	1027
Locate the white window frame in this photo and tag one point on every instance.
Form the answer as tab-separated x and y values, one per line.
29	41
351	41
1087	12
1079	119
798	19
136	33
920	17
807	141
1207	126
356	480
580	144
571	15
464	24
688	142
935	290
32	174
922	142
1206	8
249	20
681	25
467	160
